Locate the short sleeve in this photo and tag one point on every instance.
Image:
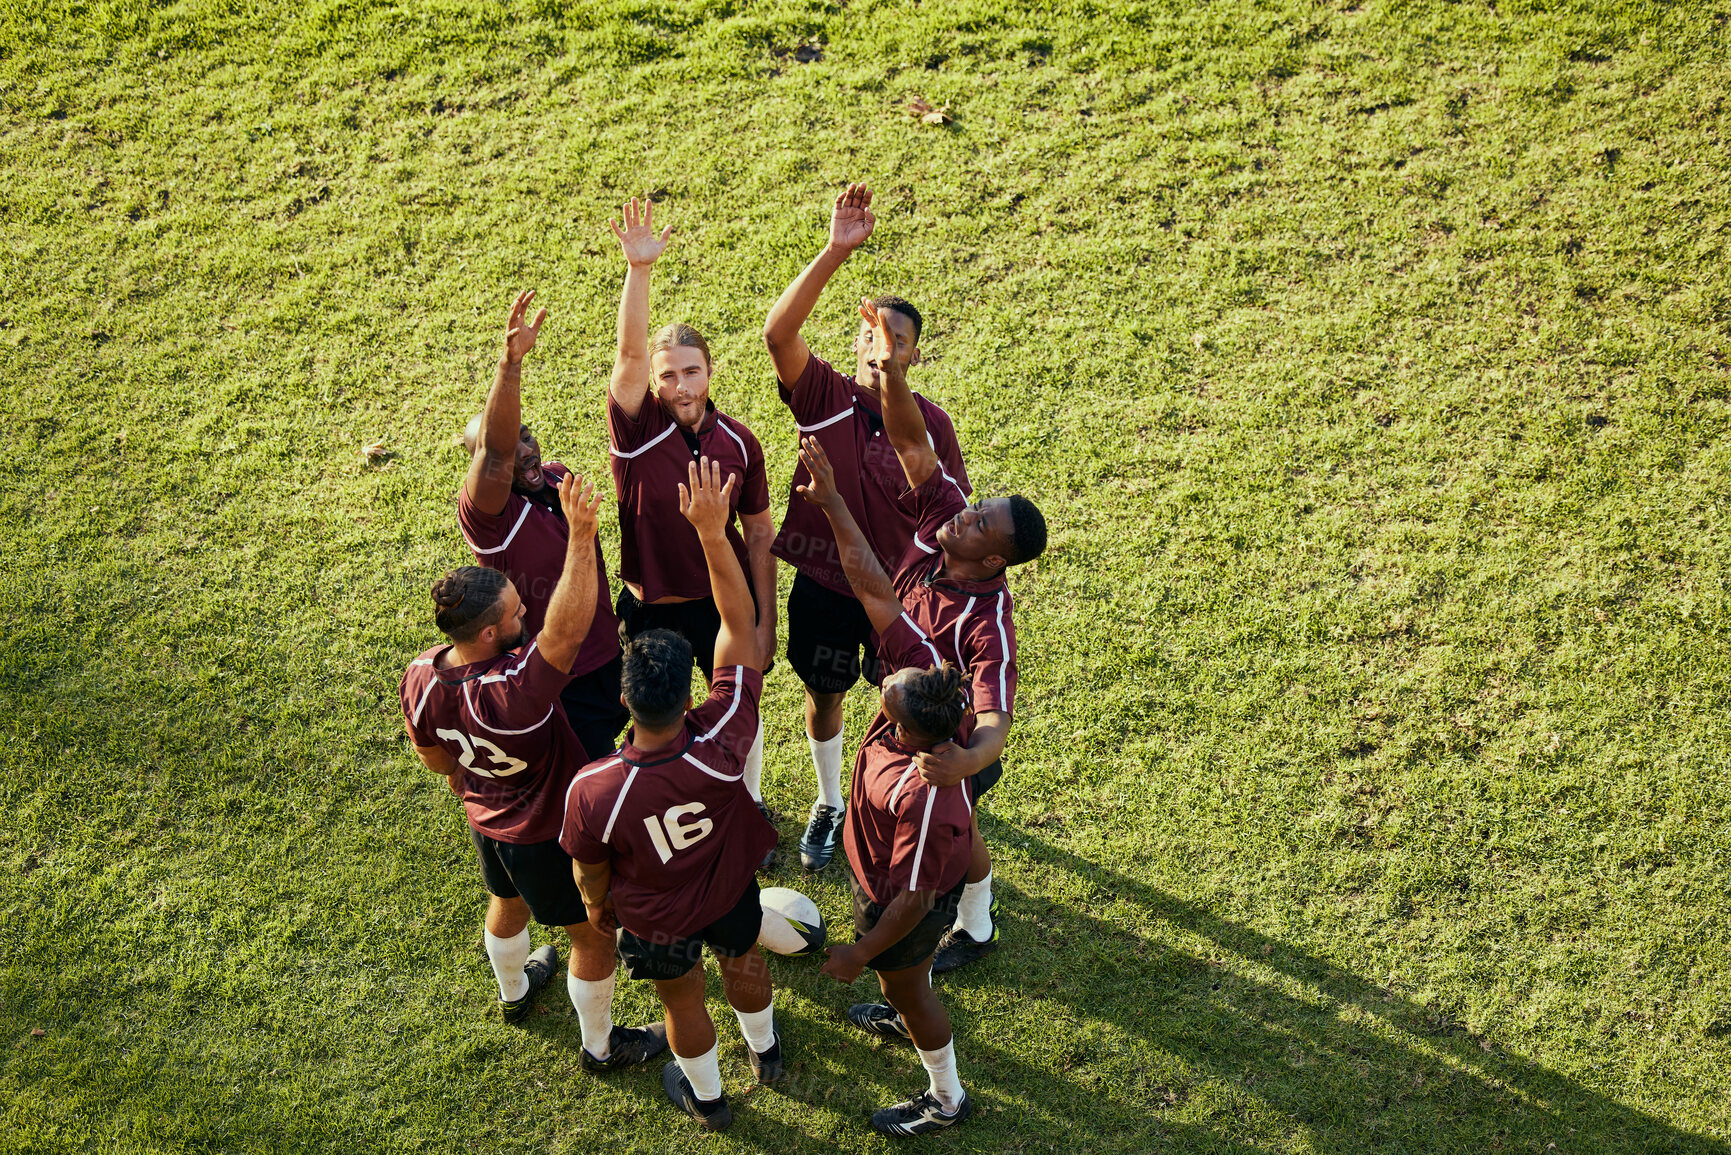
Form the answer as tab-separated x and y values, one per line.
625	432
578	836
925	846
411	692
727	719
521	695
989	653
934	502
819	394
484	531
904	645
949	449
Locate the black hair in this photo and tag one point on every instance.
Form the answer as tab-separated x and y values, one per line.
1027	530
468	600
901	305
936	701
657	678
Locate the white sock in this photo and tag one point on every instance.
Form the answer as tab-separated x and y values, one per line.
941	1066
754	766
594	1003
508	956
704	1073
826	757
974	912
758	1027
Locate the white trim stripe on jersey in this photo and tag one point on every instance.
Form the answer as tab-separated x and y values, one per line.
604	766
900	782
966	610
923	545
1004	644
607	834
936	657
738	677
425	694
645	447
513	671
737	440
469	701
920	849
712	771
826	422
504	545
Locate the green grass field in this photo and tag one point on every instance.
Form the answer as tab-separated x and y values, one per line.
1368	786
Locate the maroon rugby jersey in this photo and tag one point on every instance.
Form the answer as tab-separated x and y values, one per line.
678	825
972	623
499	719
527	541
902	834
658	549
848	423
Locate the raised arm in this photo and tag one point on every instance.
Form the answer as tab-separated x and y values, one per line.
871	585
904	424
631	373
493	463
849	226
572	607
708	505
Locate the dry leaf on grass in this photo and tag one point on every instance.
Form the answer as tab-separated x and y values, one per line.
375	453
921	108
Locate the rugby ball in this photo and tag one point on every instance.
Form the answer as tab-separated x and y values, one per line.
792	924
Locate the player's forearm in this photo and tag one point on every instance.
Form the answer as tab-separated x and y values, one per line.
502	418
905	426
571	610
901	916
793	308
594	879
986	744
871	585
631	361
760	536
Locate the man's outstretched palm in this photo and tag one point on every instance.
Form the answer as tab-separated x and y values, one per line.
852	221
638	239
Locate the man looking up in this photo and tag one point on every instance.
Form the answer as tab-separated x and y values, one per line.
950	578
909	842
481	711
666	837
826	628
508	511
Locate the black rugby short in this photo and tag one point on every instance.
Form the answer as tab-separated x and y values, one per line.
985	780
919	944
698	622
537	872
592	705
665	957
826	632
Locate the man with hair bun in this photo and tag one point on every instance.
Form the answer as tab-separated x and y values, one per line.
509	514
829	639
909	842
660	418
482	711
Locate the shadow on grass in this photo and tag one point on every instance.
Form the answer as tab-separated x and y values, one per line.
1347	1062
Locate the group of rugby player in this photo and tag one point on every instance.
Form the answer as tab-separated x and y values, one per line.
649	850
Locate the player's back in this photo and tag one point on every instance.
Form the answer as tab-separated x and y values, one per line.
499	719
681	830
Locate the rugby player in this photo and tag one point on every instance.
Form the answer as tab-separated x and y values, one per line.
481	710
666	837
508	511
950	579
827	631
909	842
660	418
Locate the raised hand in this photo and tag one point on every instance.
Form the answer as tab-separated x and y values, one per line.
520	338
582	506
637	238
820	490
852	221
883	348
706	503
